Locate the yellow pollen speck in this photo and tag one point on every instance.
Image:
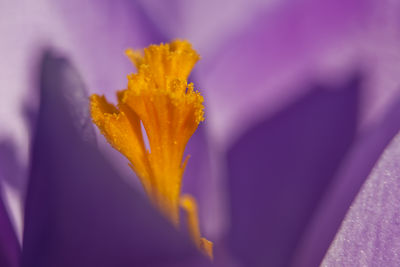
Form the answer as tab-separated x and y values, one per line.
170	109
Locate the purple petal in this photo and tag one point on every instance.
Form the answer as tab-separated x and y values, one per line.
379	112
281	168
98	34
183	19
94	35
13	182
257	71
369	234
79	212
9	247
362	239
200	181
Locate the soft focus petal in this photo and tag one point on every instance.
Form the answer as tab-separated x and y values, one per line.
78	211
204	184
370	232
280	169
94	35
259	69
9	246
12	178
186	19
355	169
98	34
378	50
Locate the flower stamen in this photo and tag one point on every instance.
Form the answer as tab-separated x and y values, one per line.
189	205
170	110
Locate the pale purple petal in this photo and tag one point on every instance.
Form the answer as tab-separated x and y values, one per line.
98	33
258	70
93	34
79	212
205	185
13	182
333	206
378	51
10	249
280	169
206	23
370	232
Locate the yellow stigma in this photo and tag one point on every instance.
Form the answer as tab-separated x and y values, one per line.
159	97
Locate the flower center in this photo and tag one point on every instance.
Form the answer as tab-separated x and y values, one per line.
159	97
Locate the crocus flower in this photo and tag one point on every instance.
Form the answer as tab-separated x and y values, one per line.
301	102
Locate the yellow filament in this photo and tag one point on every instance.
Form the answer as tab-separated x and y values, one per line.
189	205
170	109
